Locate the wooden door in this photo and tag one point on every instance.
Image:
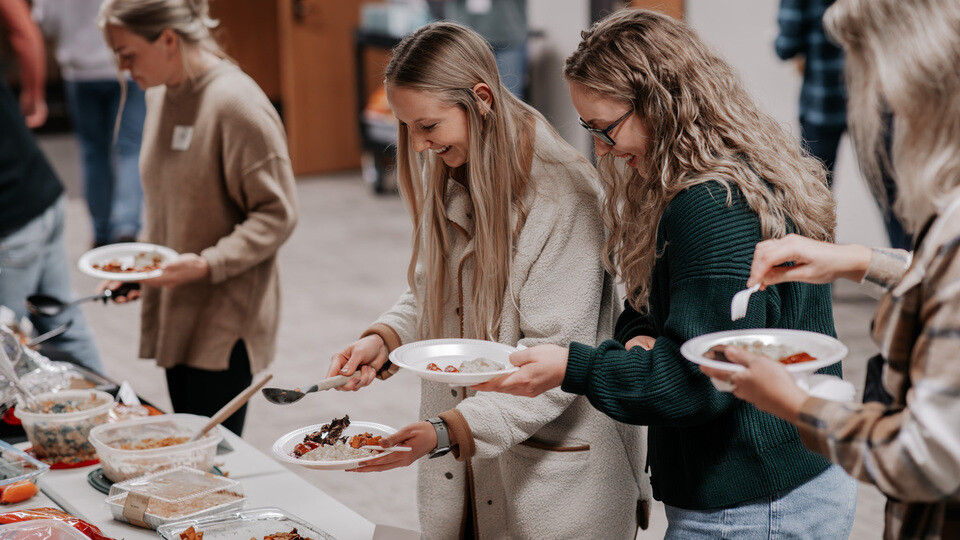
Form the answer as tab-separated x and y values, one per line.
317	83
674	8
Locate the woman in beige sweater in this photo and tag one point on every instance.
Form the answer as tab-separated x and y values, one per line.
218	189
507	240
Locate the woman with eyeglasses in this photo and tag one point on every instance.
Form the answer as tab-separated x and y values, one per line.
506	247
695	176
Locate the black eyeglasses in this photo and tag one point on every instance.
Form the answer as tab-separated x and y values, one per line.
604	134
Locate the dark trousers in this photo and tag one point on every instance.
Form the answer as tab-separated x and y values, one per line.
822	142
204	392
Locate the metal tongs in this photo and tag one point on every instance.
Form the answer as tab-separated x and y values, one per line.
8	371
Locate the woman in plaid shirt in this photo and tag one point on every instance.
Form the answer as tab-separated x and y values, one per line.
903	55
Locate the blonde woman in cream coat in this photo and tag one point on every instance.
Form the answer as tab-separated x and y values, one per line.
507	247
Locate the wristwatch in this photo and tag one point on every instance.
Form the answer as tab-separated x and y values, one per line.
443	438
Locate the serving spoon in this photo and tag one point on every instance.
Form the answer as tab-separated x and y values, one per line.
47	306
282	396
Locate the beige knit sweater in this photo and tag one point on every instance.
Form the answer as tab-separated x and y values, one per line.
546	467
217	182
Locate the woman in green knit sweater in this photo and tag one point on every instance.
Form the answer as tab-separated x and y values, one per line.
704	177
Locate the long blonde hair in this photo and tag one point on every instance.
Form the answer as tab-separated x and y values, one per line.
448	60
904	57
703	126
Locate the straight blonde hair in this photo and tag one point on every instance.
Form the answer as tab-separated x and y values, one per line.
703	126
904	58
448	60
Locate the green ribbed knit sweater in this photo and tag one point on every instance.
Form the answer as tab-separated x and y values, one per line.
707	448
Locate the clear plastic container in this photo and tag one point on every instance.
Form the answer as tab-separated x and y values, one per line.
17	465
175	495
120	464
63	436
244	525
40	529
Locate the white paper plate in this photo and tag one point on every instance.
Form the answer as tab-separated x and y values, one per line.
825	349
125	253
283	448
452	352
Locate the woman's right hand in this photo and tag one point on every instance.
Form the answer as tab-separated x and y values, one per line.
368	354
128	296
813	261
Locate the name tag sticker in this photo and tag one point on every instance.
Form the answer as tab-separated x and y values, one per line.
181	137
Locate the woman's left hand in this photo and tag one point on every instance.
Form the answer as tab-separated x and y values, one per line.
541	368
421	436
765	382
184	269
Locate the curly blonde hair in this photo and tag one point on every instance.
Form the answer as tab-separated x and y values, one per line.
903	58
703	126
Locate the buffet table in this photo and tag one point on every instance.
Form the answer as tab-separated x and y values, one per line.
265	483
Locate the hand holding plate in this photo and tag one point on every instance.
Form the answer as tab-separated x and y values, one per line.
764	382
541	368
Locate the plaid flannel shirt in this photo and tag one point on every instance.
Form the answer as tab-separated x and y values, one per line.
911	449
822	96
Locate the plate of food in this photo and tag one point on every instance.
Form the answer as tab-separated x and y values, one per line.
458	362
800	351
331	447
129	261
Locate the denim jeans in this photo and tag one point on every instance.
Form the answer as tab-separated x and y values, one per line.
821	508
33	260
111	171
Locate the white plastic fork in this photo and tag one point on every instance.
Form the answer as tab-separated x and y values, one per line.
738	306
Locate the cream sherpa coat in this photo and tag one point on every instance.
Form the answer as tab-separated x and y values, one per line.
551	466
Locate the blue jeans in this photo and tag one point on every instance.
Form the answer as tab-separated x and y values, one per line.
111	172
33	260
823	507
512	64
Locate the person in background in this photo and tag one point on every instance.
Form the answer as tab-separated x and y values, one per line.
219	189
110	146
506	248
695	175
33	257
902	57
822	107
503	23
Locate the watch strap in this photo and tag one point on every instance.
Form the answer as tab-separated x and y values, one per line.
443	437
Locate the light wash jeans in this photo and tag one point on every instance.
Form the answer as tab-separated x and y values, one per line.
33	260
822	508
111	172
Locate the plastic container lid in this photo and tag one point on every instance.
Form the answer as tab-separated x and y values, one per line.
17	465
120	465
244	525
40	529
172	495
